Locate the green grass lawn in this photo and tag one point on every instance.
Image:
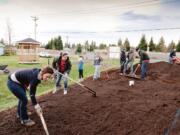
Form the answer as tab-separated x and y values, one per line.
8	100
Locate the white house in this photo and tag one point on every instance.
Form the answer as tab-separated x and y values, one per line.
2	46
114	52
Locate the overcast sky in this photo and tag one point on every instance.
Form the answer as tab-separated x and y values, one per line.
97	20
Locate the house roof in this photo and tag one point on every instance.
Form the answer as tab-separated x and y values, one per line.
2	45
29	41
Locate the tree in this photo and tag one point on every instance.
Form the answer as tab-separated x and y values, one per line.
73	46
55	43
79	48
87	46
59	44
102	46
178	46
2	41
161	45
126	45
152	45
92	46
143	44
171	46
120	43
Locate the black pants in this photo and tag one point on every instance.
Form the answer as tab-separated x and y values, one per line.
122	66
80	73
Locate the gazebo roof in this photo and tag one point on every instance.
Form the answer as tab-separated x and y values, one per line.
29	41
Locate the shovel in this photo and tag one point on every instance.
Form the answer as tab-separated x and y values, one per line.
83	86
44	124
134	73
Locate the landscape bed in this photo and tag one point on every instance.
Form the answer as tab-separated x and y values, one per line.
147	108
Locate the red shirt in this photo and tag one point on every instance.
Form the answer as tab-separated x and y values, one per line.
62	66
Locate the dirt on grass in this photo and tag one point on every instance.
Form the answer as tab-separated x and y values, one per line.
147	108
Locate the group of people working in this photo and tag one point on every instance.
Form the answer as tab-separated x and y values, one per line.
127	62
28	80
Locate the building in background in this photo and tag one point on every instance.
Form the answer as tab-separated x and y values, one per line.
114	52
28	51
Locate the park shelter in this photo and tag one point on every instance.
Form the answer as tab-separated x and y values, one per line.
2	46
28	51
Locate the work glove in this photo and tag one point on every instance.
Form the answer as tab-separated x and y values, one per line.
38	109
66	75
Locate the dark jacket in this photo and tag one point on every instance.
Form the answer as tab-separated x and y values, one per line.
56	64
123	56
172	54
143	56
29	78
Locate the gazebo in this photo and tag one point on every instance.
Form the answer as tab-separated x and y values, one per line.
28	51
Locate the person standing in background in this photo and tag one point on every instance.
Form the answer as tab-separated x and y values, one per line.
81	68
97	65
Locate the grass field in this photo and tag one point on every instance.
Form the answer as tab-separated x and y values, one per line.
7	100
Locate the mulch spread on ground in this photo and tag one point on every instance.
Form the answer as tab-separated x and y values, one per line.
147	108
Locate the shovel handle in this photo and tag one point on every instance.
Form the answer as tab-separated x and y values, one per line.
83	86
44	124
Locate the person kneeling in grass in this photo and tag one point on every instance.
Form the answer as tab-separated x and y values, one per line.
19	82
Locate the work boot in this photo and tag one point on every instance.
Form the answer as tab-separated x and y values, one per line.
18	117
65	92
28	122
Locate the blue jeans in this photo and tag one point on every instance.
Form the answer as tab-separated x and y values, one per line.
170	60
144	67
97	72
126	67
58	81
20	93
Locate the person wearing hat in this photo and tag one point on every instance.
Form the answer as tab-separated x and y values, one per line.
18	82
62	65
144	61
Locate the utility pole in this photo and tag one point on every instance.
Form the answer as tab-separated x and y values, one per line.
35	18
67	38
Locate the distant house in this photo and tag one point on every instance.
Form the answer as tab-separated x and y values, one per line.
28	51
2	46
114	52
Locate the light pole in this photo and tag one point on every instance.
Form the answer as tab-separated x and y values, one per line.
35	18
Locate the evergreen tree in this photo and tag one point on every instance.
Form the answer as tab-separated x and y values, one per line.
55	43
79	48
126	45
161	46
2	41
152	46
120	43
143	44
178	47
73	46
87	46
171	46
102	46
